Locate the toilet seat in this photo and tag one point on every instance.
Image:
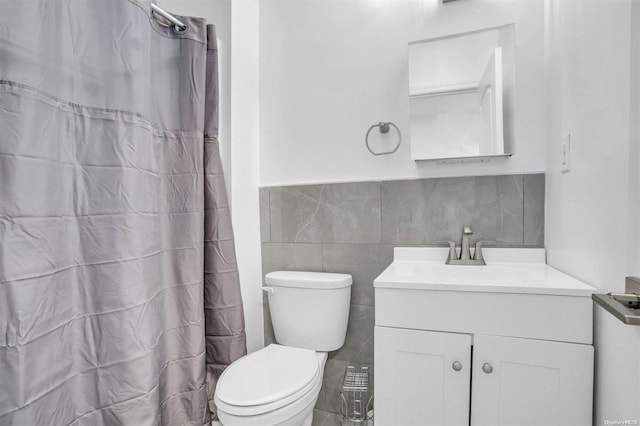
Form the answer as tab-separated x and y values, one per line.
267	379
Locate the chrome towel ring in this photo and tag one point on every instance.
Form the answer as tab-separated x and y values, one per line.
384	128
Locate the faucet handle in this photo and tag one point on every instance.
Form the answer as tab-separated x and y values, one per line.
477	254
452	250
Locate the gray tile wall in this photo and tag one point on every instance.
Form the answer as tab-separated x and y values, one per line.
353	228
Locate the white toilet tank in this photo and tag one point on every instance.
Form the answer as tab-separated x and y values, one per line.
309	310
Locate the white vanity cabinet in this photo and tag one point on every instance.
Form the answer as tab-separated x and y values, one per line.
507	345
418	376
526	381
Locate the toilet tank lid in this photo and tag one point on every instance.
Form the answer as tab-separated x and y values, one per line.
300	279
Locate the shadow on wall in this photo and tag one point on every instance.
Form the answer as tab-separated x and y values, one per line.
353	227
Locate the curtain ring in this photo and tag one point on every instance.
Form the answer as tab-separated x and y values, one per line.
177	25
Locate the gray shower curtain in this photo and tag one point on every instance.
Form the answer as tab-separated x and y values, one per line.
119	294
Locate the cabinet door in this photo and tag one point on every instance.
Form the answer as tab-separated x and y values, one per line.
416	381
530	382
490	100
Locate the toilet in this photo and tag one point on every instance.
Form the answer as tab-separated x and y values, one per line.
280	384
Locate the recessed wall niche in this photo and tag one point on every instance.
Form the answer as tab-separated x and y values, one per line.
461	95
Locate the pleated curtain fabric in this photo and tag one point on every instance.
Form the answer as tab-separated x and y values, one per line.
119	295
224	319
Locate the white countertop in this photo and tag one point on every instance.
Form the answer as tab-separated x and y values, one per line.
508	270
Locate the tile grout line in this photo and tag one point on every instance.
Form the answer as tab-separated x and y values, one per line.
270	222
380	198
269	211
523	212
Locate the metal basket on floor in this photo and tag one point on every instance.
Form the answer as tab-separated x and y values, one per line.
356	399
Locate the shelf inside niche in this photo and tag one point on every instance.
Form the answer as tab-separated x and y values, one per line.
465	160
449	89
461	96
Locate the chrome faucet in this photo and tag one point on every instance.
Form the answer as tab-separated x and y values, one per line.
465	251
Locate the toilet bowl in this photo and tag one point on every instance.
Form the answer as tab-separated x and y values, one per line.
277	385
280	384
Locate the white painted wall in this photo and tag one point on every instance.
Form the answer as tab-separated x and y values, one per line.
330	69
633	247
592	212
238	21
244	159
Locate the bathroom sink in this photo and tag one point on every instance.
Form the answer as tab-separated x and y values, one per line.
466	274
507	270
515	294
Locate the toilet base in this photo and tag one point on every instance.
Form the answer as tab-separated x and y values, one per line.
308	420
303	418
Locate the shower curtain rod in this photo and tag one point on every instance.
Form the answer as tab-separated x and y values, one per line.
179	26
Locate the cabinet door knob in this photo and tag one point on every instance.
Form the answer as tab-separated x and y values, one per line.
487	368
456	366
